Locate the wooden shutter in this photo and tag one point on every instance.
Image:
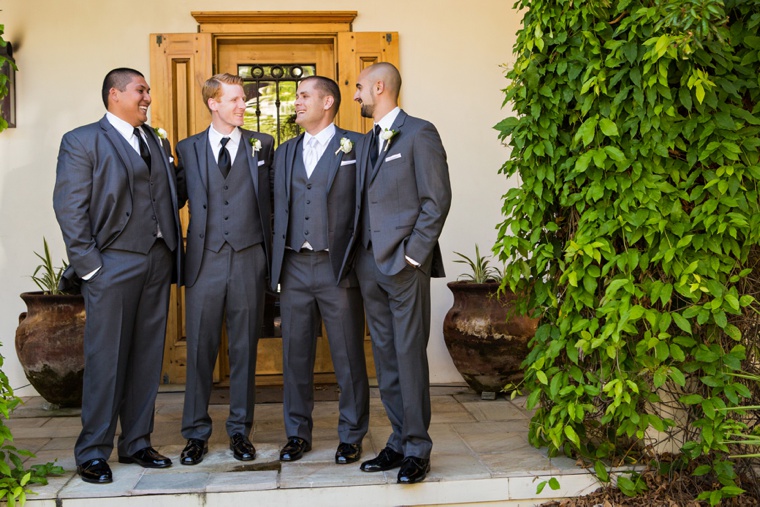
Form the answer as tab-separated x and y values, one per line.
357	51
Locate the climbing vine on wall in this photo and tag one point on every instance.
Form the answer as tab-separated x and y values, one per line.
635	136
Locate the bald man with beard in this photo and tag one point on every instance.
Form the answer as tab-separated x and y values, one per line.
404	195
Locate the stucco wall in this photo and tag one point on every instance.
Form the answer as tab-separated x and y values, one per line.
451	57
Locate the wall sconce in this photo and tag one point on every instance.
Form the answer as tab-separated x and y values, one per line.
8	104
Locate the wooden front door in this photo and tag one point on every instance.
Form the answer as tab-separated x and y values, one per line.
250	45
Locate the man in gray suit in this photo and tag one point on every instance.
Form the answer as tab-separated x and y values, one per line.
224	173
314	225
405	196
116	203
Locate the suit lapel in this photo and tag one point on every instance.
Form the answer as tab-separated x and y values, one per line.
290	162
201	145
398	123
334	158
165	159
118	142
251	157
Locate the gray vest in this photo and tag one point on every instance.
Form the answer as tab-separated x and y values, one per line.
308	204
151	204
233	209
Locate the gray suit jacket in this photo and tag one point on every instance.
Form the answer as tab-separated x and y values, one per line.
192	180
409	196
93	189
341	208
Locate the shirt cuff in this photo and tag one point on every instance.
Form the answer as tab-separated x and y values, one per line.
91	274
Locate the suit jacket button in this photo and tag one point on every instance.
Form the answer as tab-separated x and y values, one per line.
200	236
204	206
127	213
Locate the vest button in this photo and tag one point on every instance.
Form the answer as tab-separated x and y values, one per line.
306	218
305	233
308	201
308	186
200	236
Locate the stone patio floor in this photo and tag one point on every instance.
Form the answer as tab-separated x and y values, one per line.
481	456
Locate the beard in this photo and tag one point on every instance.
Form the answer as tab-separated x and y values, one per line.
367	110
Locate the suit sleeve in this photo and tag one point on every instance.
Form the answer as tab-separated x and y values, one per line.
181	180
431	173
71	201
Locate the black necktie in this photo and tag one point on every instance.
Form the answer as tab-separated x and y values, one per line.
144	151
224	158
373	149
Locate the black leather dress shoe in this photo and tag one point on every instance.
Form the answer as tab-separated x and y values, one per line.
386	460
193	452
413	470
95	471
242	448
294	449
147	458
348	453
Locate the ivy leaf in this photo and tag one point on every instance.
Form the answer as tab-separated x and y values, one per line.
682	323
608	127
586	131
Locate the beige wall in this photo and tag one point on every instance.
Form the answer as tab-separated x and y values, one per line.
451	56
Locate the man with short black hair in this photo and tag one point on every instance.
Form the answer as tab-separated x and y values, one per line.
314	221
115	200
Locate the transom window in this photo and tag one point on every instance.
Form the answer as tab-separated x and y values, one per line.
271	92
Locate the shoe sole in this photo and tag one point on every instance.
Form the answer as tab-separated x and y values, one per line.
130	461
93	481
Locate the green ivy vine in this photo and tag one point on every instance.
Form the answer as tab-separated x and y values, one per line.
635	138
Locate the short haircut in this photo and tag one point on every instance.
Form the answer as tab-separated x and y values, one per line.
328	87
389	74
212	88
119	79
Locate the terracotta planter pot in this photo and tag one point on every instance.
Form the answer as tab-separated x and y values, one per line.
49	345
486	346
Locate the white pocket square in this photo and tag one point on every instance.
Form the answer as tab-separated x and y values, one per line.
347	162
393	157
262	162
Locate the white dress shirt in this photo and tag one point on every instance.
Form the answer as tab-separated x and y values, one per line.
215	141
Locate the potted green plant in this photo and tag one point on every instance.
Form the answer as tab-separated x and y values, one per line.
486	339
50	336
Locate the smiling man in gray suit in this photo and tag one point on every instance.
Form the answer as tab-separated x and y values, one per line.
314	225
405	196
224	173
116	203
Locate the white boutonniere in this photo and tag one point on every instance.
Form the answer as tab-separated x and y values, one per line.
255	146
161	133
386	135
345	145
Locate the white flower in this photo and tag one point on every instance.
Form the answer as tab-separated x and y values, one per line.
161	133
386	135
345	145
255	145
